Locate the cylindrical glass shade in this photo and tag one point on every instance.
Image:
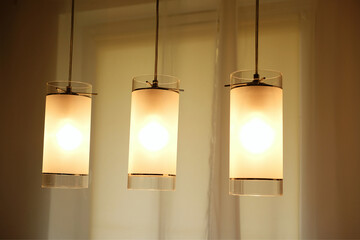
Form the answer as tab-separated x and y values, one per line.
153	133
256	134
67	135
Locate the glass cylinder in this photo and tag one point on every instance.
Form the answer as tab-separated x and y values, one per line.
256	133
153	133
67	135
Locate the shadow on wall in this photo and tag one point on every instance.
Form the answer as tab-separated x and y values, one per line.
28	58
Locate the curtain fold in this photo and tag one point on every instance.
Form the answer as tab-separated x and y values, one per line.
224	219
330	193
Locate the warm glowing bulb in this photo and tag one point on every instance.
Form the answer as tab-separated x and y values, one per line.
256	136
153	136
69	137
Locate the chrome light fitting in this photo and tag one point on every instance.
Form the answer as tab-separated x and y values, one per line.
67	130
153	128
256	130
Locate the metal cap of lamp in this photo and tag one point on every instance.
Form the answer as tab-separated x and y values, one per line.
256	130
67	131
153	128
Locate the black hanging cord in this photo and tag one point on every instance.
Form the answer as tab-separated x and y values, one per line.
155	82
256	75
257	79
71	45
69	87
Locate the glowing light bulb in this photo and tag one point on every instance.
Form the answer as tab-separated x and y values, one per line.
256	136
69	137
153	136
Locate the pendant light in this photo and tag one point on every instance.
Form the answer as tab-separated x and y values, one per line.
256	130
67	130
153	128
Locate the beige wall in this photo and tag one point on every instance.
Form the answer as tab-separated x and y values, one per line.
28	59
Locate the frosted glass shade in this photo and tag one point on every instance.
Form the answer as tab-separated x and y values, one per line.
153	133
67	136
256	135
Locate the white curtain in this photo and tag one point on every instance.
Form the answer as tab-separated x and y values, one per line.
187	50
201	44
